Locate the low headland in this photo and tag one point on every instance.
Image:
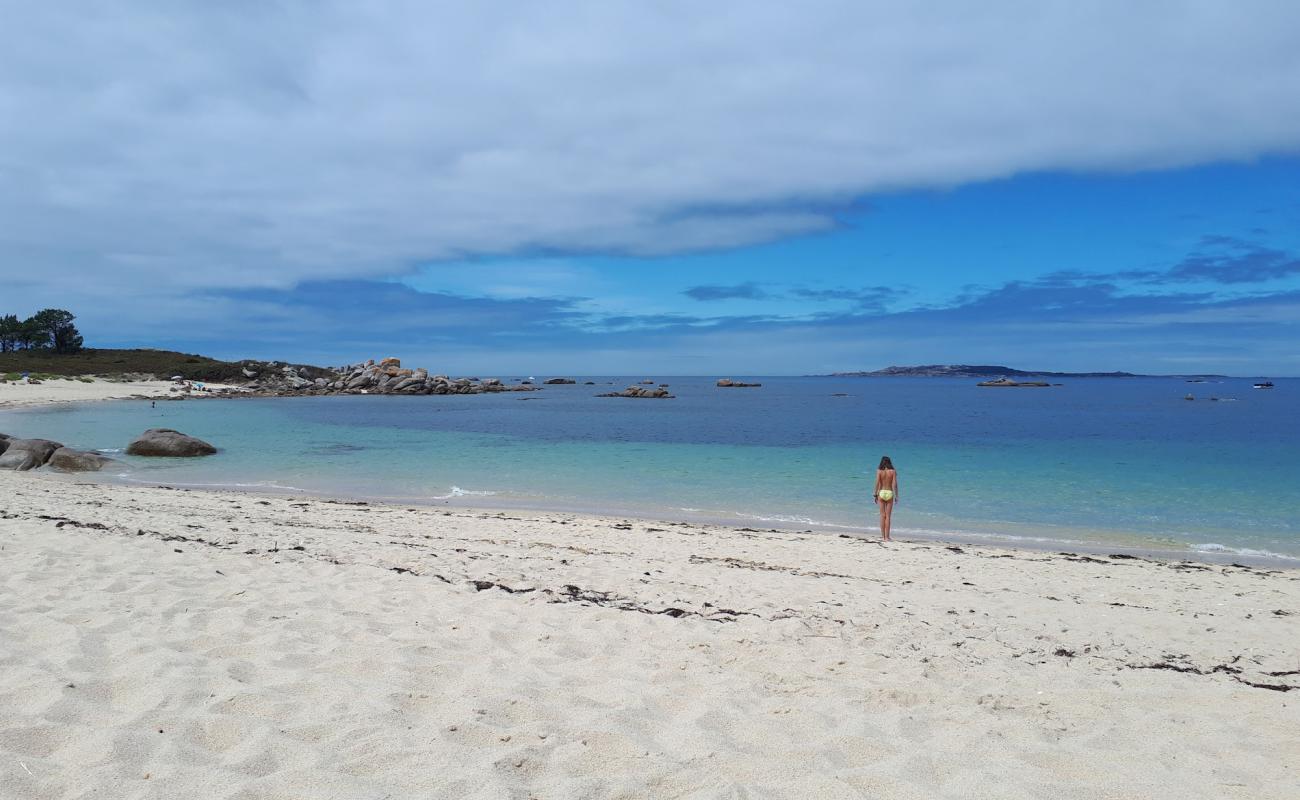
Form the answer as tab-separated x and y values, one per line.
164	374
988	371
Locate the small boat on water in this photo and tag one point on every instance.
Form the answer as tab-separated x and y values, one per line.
1264	385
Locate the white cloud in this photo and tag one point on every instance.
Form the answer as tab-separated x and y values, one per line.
249	144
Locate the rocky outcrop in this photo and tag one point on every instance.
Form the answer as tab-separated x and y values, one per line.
658	392
24	454
66	459
560	381
728	383
167	443
388	377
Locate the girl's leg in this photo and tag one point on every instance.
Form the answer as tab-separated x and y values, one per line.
886	519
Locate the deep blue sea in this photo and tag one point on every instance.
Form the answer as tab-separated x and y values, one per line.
1096	461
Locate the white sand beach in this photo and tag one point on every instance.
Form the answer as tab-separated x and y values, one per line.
18	395
58	390
160	643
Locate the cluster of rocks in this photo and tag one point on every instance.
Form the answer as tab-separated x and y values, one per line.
385	377
27	454
253	377
728	383
276	378
654	392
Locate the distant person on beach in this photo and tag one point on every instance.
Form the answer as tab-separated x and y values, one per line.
886	494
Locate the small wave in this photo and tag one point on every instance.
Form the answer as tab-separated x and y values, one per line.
792	519
1215	547
214	485
109	450
456	491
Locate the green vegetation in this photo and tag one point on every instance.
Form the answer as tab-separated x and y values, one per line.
47	346
164	364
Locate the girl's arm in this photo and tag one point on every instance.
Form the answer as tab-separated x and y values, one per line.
876	491
895	486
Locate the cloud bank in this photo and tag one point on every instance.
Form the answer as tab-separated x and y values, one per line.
259	145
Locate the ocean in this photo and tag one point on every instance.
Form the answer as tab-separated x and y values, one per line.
1092	463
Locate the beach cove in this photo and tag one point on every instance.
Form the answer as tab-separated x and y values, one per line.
666	401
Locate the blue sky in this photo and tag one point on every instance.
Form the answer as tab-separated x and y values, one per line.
669	190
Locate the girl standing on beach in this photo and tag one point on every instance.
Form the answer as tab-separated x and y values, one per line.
885	494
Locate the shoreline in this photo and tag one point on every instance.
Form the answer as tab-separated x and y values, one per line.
980	534
159	641
473	502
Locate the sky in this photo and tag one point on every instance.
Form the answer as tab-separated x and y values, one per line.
663	188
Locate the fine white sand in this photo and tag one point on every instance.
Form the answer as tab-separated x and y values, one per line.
163	643
16	395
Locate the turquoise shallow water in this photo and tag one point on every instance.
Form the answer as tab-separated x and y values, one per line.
1103	461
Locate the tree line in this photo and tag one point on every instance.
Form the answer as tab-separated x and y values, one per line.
50	330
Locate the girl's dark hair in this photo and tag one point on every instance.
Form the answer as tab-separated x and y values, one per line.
885	463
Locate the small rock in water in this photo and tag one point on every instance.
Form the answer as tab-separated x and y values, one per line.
167	443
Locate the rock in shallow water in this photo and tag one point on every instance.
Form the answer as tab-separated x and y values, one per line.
659	392
69	460
167	443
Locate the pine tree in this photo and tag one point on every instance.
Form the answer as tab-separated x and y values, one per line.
11	331
52	329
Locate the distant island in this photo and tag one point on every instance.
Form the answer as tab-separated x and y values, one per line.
987	371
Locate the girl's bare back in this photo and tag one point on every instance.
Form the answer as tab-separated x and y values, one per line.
887	479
